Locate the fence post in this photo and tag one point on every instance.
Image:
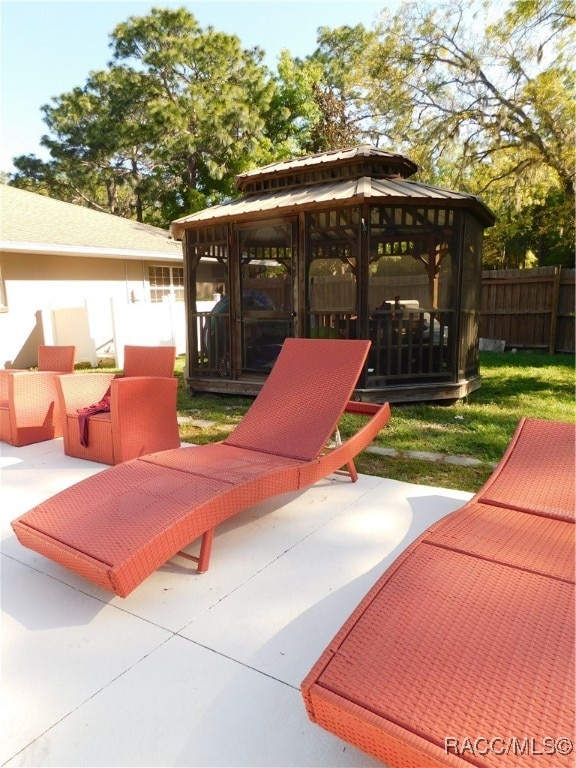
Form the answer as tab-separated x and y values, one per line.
47	319
554	308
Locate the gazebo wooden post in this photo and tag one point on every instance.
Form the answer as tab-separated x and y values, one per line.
301	311
364	271
192	260
433	270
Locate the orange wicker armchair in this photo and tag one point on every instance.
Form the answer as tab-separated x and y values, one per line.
140	415
119	526
28	400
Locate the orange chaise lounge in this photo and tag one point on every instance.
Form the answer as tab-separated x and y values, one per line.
117	527
462	654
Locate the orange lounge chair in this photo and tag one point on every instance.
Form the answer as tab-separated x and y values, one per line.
119	526
141	417
463	652
29	410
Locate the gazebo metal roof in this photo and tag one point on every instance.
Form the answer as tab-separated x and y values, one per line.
389	190
402	165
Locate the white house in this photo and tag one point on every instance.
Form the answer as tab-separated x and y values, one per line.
72	275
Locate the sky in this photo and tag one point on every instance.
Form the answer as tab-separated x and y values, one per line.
48	48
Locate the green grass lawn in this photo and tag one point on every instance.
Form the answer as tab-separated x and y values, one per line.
513	386
480	427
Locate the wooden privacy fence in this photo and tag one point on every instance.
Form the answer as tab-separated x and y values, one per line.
529	308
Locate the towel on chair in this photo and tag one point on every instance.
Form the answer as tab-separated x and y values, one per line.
84	414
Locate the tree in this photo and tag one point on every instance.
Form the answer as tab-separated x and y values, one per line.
293	108
210	97
319	98
481	100
485	109
336	91
165	129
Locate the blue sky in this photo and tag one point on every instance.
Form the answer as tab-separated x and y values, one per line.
48	48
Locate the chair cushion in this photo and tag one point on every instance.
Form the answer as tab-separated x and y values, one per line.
532	542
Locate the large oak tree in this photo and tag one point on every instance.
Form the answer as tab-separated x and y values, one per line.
484	101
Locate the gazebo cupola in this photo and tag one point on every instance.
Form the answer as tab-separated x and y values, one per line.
340	244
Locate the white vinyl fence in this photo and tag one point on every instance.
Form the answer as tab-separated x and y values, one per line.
100	330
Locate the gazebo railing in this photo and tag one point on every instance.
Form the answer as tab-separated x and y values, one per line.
410	345
406	345
209	344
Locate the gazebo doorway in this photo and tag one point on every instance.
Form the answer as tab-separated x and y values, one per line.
266	318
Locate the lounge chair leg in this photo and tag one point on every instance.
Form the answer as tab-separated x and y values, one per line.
205	550
350	471
203	559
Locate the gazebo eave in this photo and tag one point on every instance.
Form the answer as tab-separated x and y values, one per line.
400	192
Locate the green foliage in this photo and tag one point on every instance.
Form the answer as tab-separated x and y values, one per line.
336	93
539	233
479	96
326	108
513	386
165	129
487	109
207	104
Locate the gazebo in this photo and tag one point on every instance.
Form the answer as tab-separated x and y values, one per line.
340	244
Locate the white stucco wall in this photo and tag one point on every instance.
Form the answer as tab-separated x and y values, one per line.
38	287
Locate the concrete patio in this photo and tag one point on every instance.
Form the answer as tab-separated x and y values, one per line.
192	670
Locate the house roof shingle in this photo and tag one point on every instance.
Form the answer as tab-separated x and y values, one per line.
32	222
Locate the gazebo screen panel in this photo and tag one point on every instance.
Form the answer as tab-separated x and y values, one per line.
332	259
410	292
470	297
209	332
266	254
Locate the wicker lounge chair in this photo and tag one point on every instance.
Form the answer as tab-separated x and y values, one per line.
28	400
119	526
463	652
137	413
